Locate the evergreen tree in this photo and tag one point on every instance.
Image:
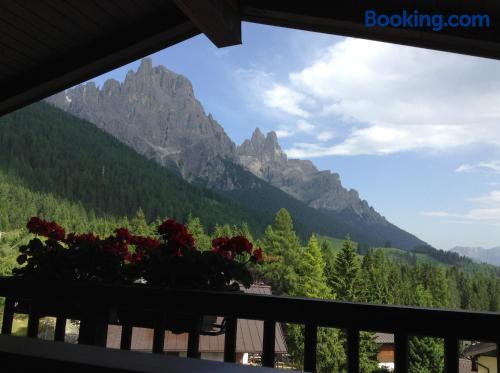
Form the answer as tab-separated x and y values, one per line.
426	354
282	247
195	227
311	283
345	280
139	225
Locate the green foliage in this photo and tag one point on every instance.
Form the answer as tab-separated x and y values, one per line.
67	169
311	279
282	246
345	279
139	225
202	240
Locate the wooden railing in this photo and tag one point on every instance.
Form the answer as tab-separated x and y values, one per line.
97	305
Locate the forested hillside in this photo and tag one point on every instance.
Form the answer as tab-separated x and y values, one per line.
60	167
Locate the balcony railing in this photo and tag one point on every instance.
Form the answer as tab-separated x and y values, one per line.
98	305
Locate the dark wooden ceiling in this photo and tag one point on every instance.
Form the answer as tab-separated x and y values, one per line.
49	45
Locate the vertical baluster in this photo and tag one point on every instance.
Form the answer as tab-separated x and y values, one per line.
310	344
353	351
33	321
498	356
401	358
8	316
60	331
230	340
126	336
194	338
159	334
268	343
94	328
451	354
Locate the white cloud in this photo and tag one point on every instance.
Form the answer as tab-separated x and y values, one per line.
487	210
492	197
401	98
485	166
325	136
301	126
287	100
440	214
384	140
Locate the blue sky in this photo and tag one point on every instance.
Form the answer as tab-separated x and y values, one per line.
416	132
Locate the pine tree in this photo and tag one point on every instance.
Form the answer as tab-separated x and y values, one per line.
345	280
138	223
223	231
202	239
282	247
311	283
426	354
347	283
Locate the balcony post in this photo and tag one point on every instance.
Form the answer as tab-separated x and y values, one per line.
498	355
230	340
159	333
353	350
60	331
33	320
268	343
8	316
194	338
126	336
451	354
401	358
310	346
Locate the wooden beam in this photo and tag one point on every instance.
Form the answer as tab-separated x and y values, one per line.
134	41
219	20
347	19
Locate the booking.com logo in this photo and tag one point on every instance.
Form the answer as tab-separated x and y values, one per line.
436	22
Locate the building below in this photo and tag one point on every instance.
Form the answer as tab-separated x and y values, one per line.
483	357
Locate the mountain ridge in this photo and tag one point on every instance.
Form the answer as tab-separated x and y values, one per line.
479	254
155	111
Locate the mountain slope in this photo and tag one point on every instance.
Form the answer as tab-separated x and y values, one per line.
155	112
51	152
479	254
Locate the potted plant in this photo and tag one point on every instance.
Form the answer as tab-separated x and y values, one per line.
170	260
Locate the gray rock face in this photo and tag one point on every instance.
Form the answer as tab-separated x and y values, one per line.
155	112
263	156
479	254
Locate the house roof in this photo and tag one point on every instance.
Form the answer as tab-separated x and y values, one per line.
480	348
50	45
248	339
384	338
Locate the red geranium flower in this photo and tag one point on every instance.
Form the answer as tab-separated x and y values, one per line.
176	234
73	239
47	229
145	243
240	244
123	234
257	254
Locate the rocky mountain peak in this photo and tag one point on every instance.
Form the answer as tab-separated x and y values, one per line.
263	156
155	112
258	138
